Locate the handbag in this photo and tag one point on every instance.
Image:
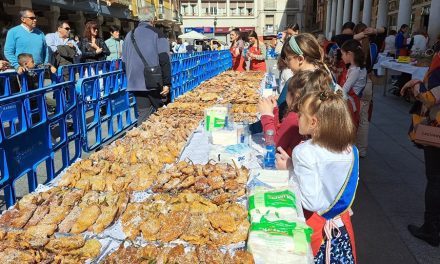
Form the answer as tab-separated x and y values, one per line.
152	75
427	135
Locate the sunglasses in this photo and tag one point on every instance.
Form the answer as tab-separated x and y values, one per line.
31	18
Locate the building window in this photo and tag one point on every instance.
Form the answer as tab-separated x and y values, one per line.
213	10
290	20
270	4
269	21
292	4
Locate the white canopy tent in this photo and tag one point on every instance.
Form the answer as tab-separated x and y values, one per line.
192	35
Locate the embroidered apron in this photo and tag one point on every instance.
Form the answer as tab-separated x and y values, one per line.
257	65
324	223
238	63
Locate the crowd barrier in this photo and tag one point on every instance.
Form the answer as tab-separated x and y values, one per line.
189	70
74	72
39	123
106	108
37	135
12	83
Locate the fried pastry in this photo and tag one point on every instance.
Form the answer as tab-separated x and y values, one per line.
86	218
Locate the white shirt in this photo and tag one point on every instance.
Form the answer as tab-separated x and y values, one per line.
286	74
356	79
180	48
320	174
390	46
420	43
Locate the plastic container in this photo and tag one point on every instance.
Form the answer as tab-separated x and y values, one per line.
269	157
269	81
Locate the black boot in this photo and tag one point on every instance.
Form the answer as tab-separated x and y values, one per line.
427	232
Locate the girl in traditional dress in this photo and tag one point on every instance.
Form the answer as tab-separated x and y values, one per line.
326	169
356	77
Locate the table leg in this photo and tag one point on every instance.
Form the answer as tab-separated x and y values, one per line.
385	85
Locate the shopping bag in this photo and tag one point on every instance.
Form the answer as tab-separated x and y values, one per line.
427	135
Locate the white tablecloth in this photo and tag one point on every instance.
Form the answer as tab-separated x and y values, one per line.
417	73
381	58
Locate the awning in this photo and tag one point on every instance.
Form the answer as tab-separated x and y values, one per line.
89	6
192	35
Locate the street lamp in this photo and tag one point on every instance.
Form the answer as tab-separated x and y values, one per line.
215	25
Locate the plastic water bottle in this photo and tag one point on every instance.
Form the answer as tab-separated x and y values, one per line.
269	81
245	134
269	157
275	85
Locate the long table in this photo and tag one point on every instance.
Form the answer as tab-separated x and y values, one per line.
415	71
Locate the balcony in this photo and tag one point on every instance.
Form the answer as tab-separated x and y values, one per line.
118	2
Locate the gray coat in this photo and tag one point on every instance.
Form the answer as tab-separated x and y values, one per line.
154	47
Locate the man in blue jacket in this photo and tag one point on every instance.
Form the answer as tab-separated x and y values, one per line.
26	38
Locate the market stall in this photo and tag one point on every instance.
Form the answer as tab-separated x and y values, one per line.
165	193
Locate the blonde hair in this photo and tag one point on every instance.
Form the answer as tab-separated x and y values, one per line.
304	82
335	130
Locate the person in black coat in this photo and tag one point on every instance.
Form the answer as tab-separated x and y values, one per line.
92	47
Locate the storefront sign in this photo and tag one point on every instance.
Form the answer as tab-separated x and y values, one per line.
197	29
247	29
208	30
224	30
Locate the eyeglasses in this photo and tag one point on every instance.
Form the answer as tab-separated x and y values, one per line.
31	18
67	28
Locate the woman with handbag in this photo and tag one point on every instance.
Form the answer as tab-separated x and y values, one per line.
426	110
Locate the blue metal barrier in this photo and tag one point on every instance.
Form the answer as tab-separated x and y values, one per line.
104	104
39	135
12	83
87	69
88	112
190	70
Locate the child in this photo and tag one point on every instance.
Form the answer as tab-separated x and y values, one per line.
286	132
26	62
356	76
326	169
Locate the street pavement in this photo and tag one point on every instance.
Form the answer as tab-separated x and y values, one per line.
391	190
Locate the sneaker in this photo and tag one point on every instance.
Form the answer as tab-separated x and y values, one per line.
427	233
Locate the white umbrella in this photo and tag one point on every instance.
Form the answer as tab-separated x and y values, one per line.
193	35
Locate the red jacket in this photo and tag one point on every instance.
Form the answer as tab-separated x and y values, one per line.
286	133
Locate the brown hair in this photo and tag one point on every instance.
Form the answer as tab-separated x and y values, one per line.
335	130
355	47
312	51
305	82
360	27
88	29
254	35
281	62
